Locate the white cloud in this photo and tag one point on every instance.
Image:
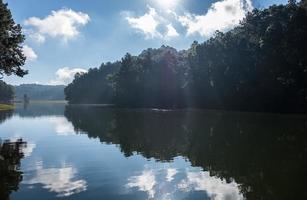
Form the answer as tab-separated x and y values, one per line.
167	4
222	16
66	75
216	188
153	24
147	23
39	38
58	180
63	23
171	31
29	53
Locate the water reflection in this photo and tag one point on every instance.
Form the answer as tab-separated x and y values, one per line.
5	114
61	180
261	156
28	149
158	185
10	175
62	126
215	188
170	173
40	109
144	182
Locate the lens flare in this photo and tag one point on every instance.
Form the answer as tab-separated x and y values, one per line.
168	4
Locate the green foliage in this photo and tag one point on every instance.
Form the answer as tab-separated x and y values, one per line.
261	65
155	78
11	38
6	92
93	86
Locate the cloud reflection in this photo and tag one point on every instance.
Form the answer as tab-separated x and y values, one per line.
170	173
59	180
144	182
28	149
170	183
62	126
215	187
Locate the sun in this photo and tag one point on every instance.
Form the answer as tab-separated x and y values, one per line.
167	4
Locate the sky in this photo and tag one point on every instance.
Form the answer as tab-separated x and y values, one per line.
64	37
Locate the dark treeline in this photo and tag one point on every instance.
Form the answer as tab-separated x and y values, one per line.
94	86
6	92
260	65
264	153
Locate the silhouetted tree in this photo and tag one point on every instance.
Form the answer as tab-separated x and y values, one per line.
11	38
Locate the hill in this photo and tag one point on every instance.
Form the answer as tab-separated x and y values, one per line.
39	92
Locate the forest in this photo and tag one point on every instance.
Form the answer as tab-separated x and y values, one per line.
261	65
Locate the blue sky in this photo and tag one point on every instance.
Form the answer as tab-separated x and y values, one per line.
67	36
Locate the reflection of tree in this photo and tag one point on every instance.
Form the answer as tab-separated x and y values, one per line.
5	114
266	154
39	109
10	175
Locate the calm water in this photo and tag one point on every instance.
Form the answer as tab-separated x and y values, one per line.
84	152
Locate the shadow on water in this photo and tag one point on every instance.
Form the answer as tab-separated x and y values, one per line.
10	174
11	153
5	115
265	153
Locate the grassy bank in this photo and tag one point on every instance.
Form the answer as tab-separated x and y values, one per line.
6	107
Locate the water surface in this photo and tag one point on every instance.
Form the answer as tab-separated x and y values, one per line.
96	152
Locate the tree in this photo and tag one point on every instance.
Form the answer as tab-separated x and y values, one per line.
6	92
303	3
11	38
292	2
94	86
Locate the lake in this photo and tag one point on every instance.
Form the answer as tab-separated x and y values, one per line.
51	151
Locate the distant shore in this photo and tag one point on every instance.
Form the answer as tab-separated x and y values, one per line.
6	107
42	101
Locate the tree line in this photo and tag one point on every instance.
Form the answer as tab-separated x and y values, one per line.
260	65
